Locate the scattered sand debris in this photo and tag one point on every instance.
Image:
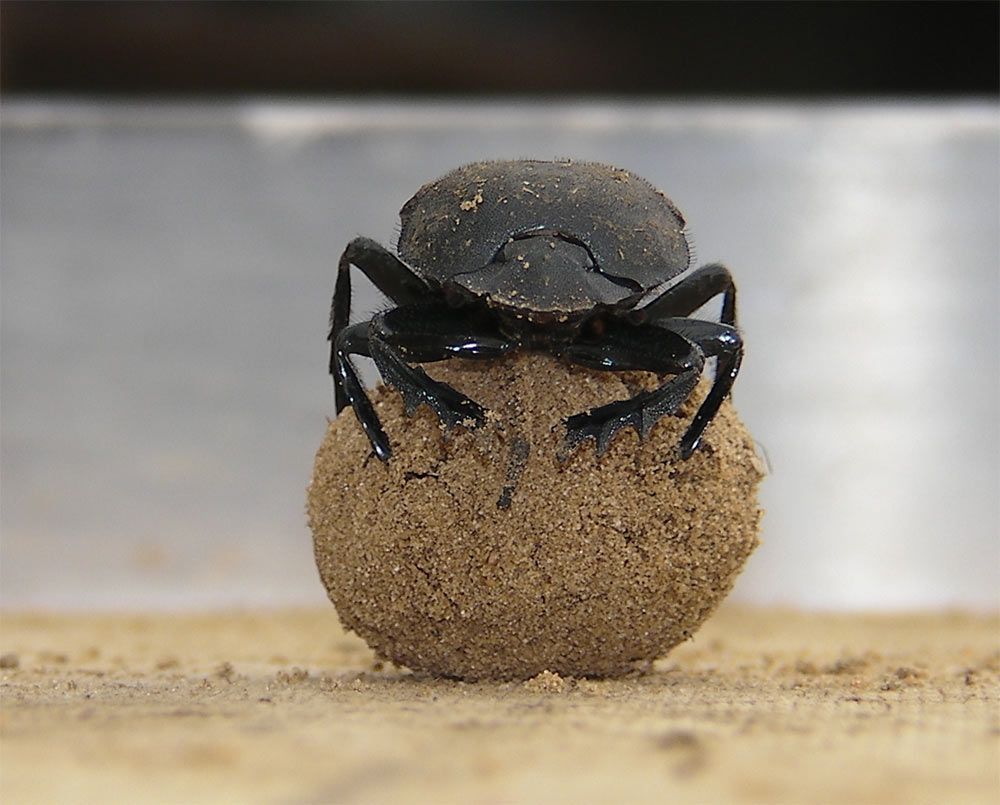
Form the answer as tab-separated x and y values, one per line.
547	682
293	676
472	203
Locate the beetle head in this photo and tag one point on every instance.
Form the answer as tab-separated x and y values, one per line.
545	277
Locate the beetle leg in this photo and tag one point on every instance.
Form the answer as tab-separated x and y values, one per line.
389	274
690	294
716	341
650	349
426	333
355	341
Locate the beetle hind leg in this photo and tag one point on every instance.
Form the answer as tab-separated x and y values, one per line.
388	273
691	293
354	341
718	341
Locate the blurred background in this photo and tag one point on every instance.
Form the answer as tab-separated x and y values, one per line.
177	181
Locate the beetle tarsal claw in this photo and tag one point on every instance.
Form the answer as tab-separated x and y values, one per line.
411	402
581	427
605	435
647	420
602	432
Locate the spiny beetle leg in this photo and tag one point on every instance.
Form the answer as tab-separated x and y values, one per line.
354	341
626	348
427	333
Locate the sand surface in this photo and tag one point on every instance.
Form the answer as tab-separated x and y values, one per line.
285	707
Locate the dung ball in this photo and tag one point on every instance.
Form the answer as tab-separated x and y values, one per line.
490	554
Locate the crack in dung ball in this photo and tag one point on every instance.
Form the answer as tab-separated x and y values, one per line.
587	567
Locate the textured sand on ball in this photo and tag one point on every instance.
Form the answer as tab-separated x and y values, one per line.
597	566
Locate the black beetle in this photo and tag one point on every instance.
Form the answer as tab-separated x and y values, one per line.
552	256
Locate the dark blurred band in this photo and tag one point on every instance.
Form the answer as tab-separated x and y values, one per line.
684	49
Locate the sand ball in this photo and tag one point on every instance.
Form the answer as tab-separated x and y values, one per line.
481	555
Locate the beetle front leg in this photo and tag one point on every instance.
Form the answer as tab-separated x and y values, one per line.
646	349
427	333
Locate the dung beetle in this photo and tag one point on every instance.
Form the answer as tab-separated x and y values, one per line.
569	258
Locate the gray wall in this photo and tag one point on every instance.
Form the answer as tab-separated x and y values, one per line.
166	282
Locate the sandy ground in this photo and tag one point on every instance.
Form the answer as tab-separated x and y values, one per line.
287	708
